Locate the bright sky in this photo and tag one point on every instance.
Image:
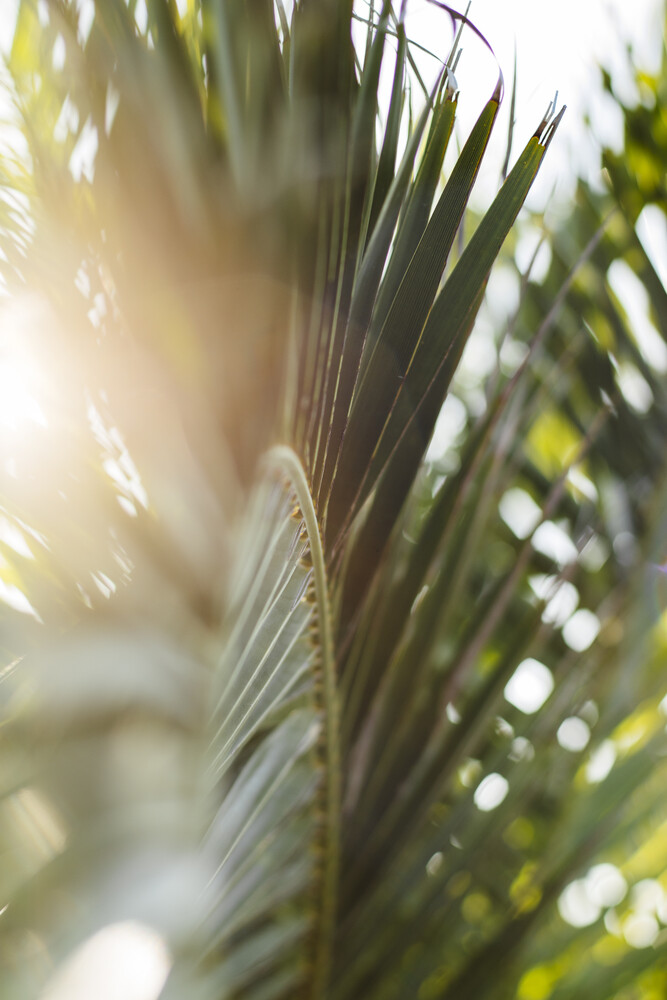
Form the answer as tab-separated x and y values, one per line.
7	20
558	47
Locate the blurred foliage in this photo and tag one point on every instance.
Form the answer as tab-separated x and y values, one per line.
335	711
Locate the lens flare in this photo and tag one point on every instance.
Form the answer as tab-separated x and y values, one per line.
22	381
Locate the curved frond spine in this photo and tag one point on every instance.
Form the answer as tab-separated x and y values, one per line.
283	459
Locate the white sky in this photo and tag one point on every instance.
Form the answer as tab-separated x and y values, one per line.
7	20
559	46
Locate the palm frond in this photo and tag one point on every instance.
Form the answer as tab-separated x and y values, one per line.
263	643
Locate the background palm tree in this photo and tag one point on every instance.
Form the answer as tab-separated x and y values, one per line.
261	697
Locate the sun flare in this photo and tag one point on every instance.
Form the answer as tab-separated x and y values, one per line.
21	377
18	406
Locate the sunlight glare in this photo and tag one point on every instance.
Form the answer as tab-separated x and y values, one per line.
124	961
490	792
640	930
576	906
581	630
553	541
519	512
14	598
562	598
17	403
601	762
573	734
529	686
633	297
605	885
21	380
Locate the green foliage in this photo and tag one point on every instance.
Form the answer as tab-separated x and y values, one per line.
258	698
